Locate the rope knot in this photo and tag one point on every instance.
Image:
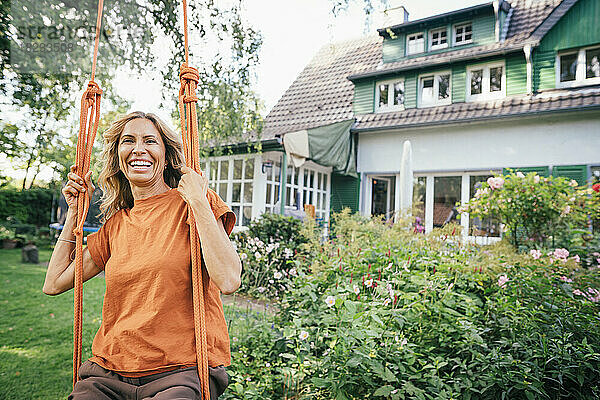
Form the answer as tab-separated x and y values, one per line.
92	90
188	74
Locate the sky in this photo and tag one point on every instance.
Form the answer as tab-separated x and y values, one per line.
293	31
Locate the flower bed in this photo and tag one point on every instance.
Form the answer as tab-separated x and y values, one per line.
382	312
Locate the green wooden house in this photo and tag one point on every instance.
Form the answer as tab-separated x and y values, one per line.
504	84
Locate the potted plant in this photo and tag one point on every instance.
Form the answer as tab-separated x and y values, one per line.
7	237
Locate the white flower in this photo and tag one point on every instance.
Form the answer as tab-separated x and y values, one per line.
403	342
243	256
277	275
287	253
536	179
268	364
261	289
271	281
293	272
330	301
386	302
369	283
573	183
303	335
356	289
520	175
257	255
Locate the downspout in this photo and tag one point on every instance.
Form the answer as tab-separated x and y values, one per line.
496	5
282	188
527	49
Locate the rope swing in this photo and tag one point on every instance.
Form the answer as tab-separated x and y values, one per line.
88	127
189	78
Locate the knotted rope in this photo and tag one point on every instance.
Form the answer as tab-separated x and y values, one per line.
189	78
88	126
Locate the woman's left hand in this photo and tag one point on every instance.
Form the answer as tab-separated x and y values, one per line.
193	186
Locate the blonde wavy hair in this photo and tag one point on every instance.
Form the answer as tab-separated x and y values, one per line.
115	186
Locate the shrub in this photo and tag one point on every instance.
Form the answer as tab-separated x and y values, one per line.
394	315
266	251
32	206
533	209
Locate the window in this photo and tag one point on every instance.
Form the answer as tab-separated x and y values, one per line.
463	34
446	193
489	226
580	67
415	43
272	195
486	82
233	179
390	95
438	39
434	89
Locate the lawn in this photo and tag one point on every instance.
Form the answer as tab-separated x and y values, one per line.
36	330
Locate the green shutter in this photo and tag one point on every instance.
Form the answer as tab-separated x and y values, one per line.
541	171
577	172
344	192
364	93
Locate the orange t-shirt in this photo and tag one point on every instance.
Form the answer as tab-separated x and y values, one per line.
147	316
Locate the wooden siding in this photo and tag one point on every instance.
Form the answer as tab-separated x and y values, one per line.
459	82
516	75
364	94
410	90
577	172
344	192
484	29
578	28
393	49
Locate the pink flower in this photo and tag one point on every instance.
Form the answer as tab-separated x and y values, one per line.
565	211
565	279
573	183
495	183
502	280
576	258
481	192
561	254
536	254
577	292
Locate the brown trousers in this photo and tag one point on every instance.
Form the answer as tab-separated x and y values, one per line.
97	383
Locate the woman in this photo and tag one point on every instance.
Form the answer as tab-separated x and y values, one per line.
145	347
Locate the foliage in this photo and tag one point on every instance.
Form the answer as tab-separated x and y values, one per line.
390	314
33	206
266	250
536	211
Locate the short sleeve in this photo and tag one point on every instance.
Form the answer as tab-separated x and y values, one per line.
221	210
99	246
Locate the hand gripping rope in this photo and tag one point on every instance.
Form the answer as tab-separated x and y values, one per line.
88	126
189	78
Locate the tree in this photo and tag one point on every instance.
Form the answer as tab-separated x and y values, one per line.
44	88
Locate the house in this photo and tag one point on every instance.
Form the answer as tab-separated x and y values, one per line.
504	84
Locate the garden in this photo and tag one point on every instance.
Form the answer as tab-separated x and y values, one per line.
377	310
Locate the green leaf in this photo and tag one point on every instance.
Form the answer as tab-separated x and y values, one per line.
384	391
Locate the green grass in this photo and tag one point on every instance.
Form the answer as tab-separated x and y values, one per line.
36	330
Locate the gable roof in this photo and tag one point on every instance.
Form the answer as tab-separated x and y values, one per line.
322	93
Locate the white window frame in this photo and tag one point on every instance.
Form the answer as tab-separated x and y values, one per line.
438	46
485	84
437	101
580	78
388	107
461	25
408	53
217	162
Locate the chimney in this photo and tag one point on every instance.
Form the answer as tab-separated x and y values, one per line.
394	14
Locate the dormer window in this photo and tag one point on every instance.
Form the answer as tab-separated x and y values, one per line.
578	67
463	34
438	39
415	43
390	95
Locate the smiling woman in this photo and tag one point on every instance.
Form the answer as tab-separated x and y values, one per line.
147	343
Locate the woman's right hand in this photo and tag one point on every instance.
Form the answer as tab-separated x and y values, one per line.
76	185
